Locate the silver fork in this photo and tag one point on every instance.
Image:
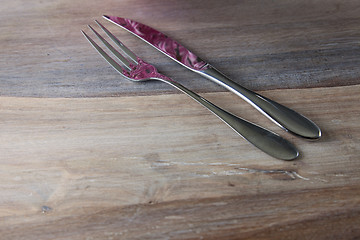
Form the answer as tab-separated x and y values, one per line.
135	69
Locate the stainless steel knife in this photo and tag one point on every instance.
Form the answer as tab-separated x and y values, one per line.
284	117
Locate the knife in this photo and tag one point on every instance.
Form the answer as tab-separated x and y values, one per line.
284	117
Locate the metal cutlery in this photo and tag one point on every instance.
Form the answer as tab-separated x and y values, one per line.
284	117
135	69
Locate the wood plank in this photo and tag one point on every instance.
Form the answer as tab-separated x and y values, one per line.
85	154
260	44
212	218
138	168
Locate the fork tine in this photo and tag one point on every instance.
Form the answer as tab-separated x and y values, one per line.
127	51
122	59
111	61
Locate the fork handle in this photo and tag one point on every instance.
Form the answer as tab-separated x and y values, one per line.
265	140
279	114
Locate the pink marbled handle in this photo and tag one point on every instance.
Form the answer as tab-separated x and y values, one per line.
162	42
143	71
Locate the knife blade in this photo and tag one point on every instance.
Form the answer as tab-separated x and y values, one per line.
283	116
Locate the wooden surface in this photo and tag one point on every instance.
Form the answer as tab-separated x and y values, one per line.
85	154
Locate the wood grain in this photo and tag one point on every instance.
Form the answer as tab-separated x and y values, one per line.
85	154
259	44
135	168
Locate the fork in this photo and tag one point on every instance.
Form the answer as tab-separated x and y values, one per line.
135	69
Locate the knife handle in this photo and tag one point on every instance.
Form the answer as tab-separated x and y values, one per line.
267	141
279	114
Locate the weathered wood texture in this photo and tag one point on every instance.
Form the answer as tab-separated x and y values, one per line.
85	154
136	167
260	44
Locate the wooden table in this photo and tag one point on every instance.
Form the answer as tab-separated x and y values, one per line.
85	154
